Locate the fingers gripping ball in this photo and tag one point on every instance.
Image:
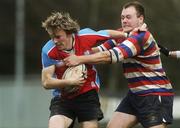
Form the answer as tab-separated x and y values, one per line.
74	72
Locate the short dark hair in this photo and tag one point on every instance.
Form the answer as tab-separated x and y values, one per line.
138	6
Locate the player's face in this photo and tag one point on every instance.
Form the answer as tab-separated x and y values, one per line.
62	40
130	20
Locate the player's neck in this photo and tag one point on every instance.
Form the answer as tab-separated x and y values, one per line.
71	44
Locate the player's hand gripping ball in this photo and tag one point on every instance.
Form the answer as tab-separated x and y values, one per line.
74	72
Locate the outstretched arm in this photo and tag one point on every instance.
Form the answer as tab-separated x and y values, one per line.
163	50
124	50
109	44
117	34
174	54
97	58
168	53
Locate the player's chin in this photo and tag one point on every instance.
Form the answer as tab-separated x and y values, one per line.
60	47
127	29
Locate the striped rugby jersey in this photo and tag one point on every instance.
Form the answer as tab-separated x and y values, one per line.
142	65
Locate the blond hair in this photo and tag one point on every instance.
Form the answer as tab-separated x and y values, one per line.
60	21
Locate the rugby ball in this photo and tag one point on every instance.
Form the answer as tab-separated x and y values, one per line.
74	72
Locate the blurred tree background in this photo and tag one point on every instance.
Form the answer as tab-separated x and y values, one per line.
25	99
162	18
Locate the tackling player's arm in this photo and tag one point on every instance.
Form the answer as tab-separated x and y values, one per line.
49	82
97	58
168	53
117	34
95	50
174	54
109	44
124	50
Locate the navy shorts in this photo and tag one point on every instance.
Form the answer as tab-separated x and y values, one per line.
150	110
84	107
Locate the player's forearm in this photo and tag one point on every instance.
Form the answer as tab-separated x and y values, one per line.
52	83
164	50
117	34
49	82
97	58
95	50
174	54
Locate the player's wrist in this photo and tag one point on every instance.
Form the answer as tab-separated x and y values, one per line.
174	54
113	57
126	34
81	59
165	51
178	54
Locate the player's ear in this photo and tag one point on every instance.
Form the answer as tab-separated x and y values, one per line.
141	19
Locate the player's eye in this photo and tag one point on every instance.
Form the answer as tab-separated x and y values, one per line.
55	37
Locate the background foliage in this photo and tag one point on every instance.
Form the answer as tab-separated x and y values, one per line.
162	18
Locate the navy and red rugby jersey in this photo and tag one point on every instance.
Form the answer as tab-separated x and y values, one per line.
142	65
